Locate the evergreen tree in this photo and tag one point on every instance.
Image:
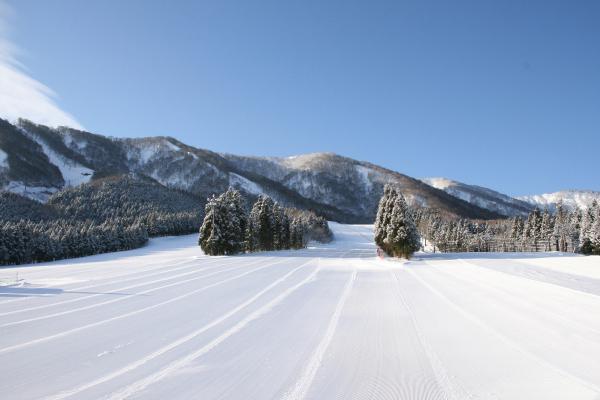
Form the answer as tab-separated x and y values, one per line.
297	234
562	223
384	212
237	221
594	235
547	227
224	225
395	231
210	231
281	228
586	227
532	230
261	223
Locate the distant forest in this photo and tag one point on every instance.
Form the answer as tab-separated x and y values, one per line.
105	215
122	212
563	230
401	230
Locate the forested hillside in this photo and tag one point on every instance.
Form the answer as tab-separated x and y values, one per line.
108	214
132	199
39	161
115	213
352	186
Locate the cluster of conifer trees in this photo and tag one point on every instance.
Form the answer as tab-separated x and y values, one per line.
103	216
26	241
121	213
395	230
563	230
228	228
132	200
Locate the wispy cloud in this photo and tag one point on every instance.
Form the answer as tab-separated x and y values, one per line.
21	96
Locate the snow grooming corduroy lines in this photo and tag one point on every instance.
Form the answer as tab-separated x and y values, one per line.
593	386
134	312
181	362
115	291
132	276
303	384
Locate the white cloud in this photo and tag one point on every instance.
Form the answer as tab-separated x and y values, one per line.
21	96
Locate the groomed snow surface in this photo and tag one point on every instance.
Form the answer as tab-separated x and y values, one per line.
328	322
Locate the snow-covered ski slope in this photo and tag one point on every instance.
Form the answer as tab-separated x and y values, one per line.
329	322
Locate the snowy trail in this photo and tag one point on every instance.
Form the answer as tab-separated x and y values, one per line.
328	322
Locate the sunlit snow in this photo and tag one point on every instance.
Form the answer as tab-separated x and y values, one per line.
327	322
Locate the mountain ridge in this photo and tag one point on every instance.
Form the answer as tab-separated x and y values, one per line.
482	196
570	198
38	161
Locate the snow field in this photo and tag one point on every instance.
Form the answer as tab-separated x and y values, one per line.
328	322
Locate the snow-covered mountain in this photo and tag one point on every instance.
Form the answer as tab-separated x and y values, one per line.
353	186
482	197
512	206
570	198
38	161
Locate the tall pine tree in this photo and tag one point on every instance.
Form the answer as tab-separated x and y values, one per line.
395	230
224	225
261	225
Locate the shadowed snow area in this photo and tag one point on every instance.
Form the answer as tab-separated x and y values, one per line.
328	322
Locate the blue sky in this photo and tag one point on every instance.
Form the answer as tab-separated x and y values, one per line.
505	94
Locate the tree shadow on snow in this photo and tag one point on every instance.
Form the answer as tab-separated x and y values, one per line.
24	291
19	291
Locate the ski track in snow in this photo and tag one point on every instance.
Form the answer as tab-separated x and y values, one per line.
302	386
187	338
134	312
180	363
161	271
123	296
328	322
